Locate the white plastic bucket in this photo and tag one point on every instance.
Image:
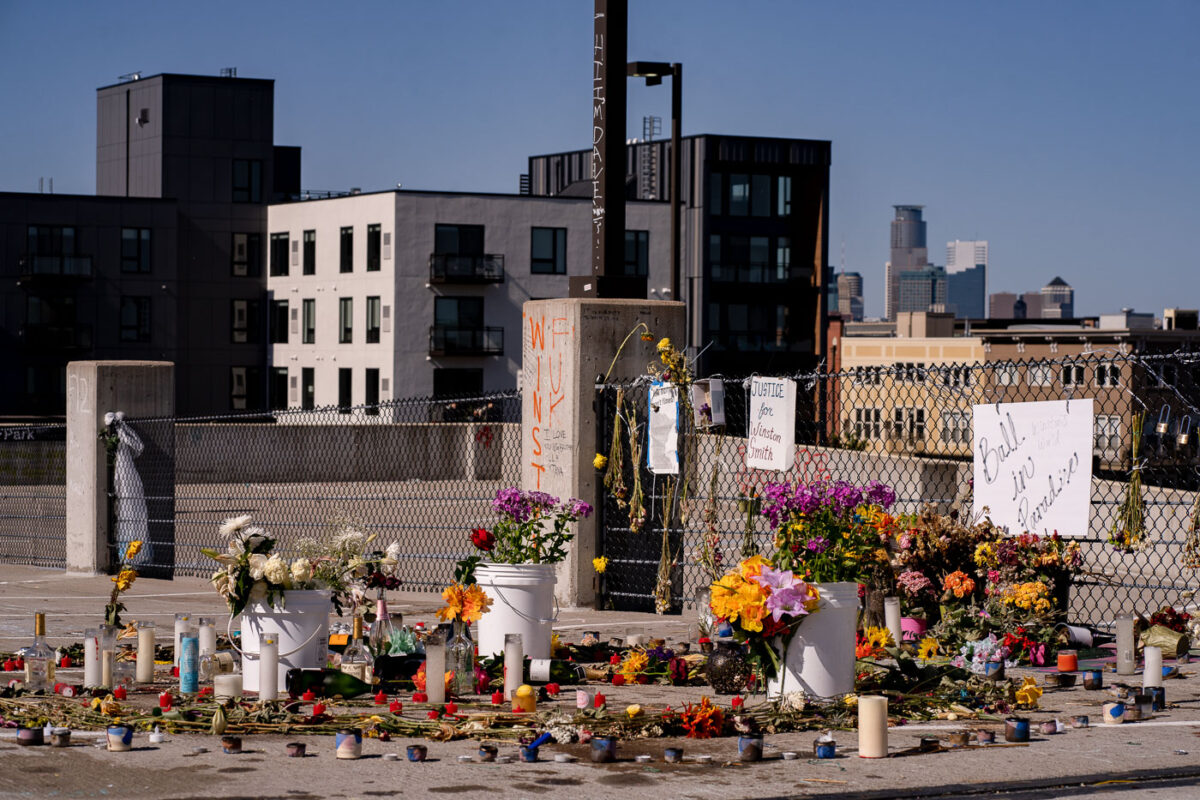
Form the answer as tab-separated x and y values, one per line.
522	602
303	627
820	658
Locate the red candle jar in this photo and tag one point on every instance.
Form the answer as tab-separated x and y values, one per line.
1068	661
380	698
119	693
164	701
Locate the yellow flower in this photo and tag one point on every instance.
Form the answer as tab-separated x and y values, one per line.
664	345
466	603
133	549
124	579
879	637
985	555
1029	693
851	700
634	664
600	461
725	599
633	711
752	567
928	648
600	564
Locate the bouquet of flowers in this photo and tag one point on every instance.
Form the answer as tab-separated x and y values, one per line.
124	578
534	528
978	654
463	603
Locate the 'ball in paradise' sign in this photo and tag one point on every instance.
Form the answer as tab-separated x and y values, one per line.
1033	465
771	443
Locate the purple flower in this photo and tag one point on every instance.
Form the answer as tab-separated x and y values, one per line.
578	508
788	594
817	545
880	494
512	503
541	501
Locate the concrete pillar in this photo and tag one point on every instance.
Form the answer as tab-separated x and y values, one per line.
140	389
566	345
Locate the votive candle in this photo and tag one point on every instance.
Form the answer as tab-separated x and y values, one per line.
583	698
108	655
514	663
1068	661
872	727
91	658
227	685
891	615
208	636
435	667
145	652
268	666
1126	655
1152	675
182	622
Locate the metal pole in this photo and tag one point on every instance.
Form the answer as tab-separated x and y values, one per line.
676	160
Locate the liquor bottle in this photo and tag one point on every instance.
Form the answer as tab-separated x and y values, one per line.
357	659
325	683
538	670
39	658
382	629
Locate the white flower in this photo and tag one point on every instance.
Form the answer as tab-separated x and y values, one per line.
301	571
223	582
258	592
255	536
391	557
276	570
225	558
258	563
350	539
233	525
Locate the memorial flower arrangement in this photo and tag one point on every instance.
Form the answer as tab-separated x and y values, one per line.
463	603
534	528
124	579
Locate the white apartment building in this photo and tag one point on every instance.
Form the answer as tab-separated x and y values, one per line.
398	294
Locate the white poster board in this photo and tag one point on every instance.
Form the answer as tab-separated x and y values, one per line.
771	443
1033	465
662	450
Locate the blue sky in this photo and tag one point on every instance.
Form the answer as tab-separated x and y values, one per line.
1064	133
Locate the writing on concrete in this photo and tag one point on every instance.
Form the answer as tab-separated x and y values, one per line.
545	351
598	101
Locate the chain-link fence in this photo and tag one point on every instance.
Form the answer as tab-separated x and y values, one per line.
420	472
910	425
33	495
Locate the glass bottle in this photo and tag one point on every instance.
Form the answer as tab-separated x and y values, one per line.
39	658
460	658
383	629
357	660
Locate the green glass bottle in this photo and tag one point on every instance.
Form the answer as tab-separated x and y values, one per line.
325	683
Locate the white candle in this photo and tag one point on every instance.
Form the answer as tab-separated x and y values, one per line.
268	666
208	636
891	613
872	727
1126	655
514	663
182	623
145	652
1152	676
108	661
228	685
435	667
91	658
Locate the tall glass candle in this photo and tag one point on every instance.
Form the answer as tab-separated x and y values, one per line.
268	666
189	661
1152	676
108	655
208	636
1126	654
514	663
872	727
228	685
91	658
182	622
891	615
435	667
145	652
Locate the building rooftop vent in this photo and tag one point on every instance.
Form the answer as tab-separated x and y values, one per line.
130	76
228	72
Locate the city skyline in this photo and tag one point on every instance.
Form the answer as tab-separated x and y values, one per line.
1075	124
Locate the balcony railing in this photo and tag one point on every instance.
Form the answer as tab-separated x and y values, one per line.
63	266
453	340
452	268
40	336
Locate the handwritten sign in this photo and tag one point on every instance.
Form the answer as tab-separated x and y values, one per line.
662	452
772	440
1033	465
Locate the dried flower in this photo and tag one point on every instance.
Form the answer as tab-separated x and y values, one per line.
600	461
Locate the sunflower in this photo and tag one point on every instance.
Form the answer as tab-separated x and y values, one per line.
879	638
928	648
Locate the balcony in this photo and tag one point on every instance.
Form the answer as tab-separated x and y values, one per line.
452	268
453	340
42	337
755	273
33	266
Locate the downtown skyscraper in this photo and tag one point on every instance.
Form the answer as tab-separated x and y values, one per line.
909	253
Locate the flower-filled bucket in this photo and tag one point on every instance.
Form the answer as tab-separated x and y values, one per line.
522	602
303	626
819	660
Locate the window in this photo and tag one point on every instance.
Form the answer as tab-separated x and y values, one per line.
760	195
868	376
956	427
345	320
135	250
371	392
448	382
373	248
310	253
245	388
1108	374
308	333
247	255
783	258
279	253
1006	375
458	240
909	372
1072	375
135	319
784	205
345	385
50	241
908	423
308	392
1108	433
867	423
279	321
346	261
458	312
1039	375
716	193
637	252
548	251
372	320
956	376
244	322
278	388
247	180
739	195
